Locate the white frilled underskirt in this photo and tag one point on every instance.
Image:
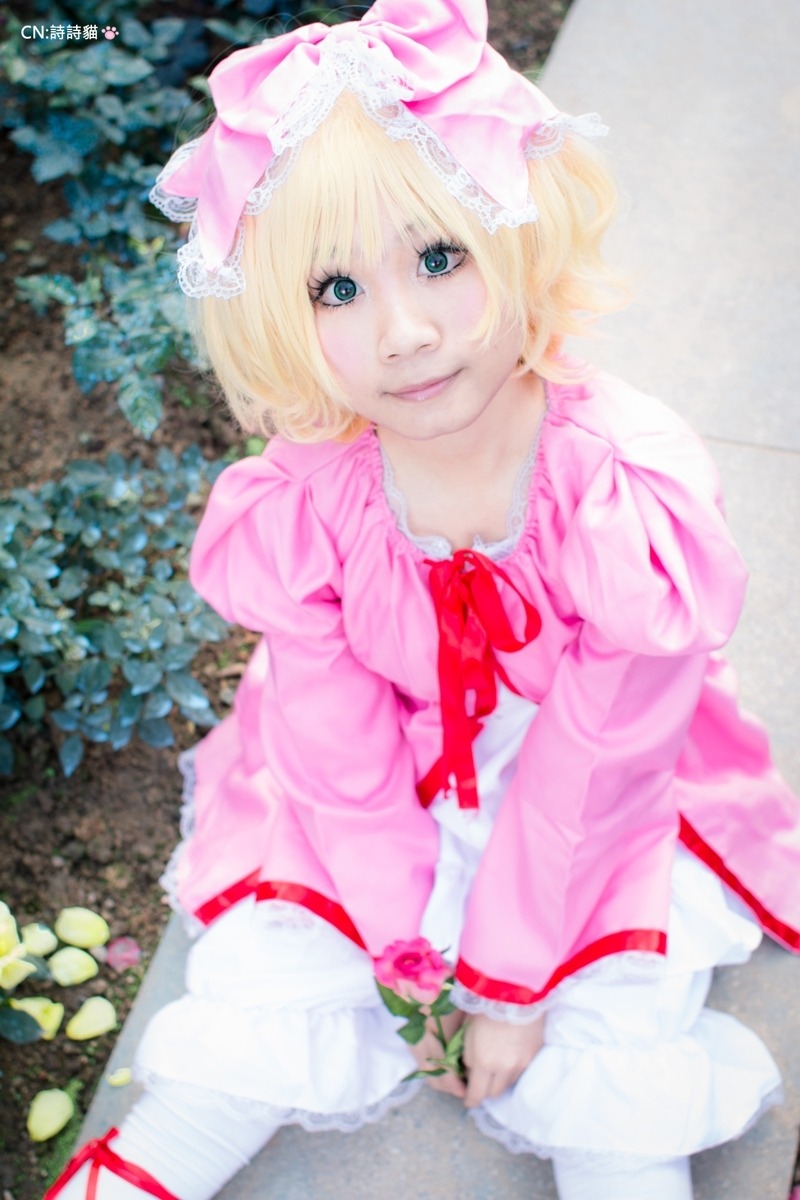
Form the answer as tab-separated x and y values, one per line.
281	1016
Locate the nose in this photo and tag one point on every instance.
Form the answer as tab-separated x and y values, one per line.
407	323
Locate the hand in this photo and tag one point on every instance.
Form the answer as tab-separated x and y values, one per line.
496	1054
430	1047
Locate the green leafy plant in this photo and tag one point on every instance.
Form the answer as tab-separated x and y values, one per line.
102	117
98	623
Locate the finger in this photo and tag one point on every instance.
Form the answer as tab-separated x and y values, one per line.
479	1081
448	1084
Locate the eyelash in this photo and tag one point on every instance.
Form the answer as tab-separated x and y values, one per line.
320	286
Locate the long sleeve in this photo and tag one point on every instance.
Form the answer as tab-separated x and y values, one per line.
649	581
327	727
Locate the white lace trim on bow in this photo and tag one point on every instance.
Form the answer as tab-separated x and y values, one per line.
371	74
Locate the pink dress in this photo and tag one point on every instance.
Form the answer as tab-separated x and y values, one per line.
628	560
335	810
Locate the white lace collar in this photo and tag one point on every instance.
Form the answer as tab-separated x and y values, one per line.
439	547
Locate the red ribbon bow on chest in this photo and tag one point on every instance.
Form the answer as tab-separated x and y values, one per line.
472	625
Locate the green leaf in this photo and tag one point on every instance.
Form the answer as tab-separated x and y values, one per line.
142	676
141	401
94	676
72	583
9	715
442	1005
42	971
9	661
70	754
65	720
63	230
157	704
112	644
6	756
130	708
208	627
455	1046
396	1005
34	709
119	735
156	733
85	473
414	1030
185	690
34	676
18	1027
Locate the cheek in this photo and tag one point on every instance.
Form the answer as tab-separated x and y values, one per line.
343	350
468	301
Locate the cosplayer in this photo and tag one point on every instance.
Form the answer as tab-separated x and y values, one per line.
487	706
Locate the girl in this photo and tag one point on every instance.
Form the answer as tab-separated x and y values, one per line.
485	707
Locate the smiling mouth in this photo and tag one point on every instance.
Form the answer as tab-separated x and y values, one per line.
427	390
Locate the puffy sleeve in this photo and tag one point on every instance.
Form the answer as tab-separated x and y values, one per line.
647	555
644	573
327	727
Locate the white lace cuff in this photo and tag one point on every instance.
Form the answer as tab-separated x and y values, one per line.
497	1010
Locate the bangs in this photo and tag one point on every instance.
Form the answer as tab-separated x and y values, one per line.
348	175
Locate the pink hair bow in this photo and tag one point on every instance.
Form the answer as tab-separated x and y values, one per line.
412	63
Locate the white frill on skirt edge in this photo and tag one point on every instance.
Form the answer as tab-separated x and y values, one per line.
282	1015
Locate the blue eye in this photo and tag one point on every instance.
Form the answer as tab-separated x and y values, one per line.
441	259
344	290
436	262
334	291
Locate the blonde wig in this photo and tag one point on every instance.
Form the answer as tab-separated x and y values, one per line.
547	277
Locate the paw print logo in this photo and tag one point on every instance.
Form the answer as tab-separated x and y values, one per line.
110	32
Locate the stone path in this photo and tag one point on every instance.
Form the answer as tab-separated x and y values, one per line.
703	97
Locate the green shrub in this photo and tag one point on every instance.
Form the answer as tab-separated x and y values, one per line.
98	623
102	116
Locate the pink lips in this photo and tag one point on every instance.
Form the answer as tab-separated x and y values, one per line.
426	391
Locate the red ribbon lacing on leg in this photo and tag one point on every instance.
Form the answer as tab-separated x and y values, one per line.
472	625
100	1154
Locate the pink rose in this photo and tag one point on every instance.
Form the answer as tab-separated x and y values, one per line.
413	970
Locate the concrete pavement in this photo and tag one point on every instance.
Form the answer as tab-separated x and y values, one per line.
703	97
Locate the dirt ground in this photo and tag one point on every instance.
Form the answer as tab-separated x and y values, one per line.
101	838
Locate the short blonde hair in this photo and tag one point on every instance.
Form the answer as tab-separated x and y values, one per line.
546	277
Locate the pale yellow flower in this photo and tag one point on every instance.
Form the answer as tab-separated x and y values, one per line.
120	1078
38	939
48	1013
9	938
70	965
82	927
94	1017
48	1114
13	968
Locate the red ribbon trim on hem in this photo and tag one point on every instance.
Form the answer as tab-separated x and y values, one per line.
473	624
323	906
783	933
216	906
100	1154
653	941
272	889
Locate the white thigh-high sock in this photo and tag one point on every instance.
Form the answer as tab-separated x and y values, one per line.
192	1150
578	1179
